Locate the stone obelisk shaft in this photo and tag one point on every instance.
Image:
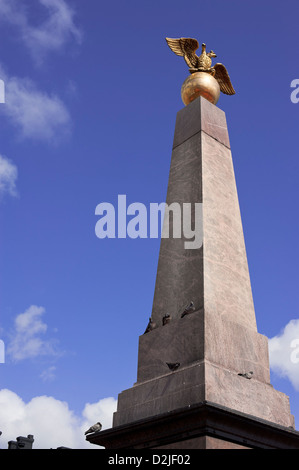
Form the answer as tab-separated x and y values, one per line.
215	276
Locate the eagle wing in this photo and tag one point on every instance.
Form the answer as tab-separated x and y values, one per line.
186	48
222	77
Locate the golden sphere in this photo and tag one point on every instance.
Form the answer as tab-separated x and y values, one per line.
200	84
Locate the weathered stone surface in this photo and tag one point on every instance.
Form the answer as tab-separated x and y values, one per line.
179	274
199	382
165	393
248	396
163	345
227	288
236	347
214	443
201	116
203	442
199	336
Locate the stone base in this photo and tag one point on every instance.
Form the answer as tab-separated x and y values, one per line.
202	426
201	382
212	353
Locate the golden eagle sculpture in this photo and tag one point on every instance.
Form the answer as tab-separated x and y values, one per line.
186	48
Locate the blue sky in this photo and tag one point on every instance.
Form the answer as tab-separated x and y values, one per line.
92	92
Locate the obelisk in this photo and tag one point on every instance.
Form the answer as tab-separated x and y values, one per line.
203	377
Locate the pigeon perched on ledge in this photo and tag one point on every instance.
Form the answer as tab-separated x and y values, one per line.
166	319
151	326
173	365
189	309
247	375
95	428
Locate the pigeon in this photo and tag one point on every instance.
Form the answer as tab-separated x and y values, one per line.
173	365
151	326
189	309
96	427
166	319
247	375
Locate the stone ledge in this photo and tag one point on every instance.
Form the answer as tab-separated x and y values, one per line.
201	381
190	424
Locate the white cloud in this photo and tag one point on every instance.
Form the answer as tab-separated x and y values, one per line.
36	114
51	421
48	374
8	176
51	34
284	353
27	339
